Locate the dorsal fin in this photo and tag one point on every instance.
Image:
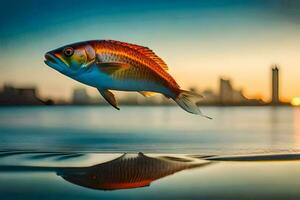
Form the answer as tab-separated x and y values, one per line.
144	50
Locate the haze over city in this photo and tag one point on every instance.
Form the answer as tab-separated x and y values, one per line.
234	40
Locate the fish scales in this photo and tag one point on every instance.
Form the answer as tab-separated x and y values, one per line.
109	52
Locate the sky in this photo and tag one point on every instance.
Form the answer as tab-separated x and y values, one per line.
200	41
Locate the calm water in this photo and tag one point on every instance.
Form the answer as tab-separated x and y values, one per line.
150	129
77	152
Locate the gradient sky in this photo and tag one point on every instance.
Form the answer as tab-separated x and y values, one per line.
199	40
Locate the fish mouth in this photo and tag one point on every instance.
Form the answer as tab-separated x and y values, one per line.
50	58
54	62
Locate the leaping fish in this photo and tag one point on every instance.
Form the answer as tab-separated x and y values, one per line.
114	65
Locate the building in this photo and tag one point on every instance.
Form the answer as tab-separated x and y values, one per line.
20	96
238	96
80	96
225	91
275	85
209	98
228	95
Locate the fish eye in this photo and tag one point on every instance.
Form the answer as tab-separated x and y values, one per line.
68	51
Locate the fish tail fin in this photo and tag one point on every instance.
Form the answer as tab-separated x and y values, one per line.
187	101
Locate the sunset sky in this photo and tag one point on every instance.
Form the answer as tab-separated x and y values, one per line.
199	40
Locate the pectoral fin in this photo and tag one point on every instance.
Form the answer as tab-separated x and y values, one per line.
109	97
110	68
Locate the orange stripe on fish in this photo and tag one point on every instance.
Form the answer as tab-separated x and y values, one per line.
139	56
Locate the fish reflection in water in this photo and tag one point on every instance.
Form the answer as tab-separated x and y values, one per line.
126	172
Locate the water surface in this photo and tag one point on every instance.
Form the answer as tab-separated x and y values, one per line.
92	153
150	129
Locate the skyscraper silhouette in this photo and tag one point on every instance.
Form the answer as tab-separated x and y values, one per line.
275	85
225	91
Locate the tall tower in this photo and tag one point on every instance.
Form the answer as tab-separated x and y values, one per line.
226	91
275	85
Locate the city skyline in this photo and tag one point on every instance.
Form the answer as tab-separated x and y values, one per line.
94	93
198	40
227	95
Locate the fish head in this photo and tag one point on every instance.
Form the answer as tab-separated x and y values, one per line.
71	59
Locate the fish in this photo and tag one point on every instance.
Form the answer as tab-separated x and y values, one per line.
115	65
